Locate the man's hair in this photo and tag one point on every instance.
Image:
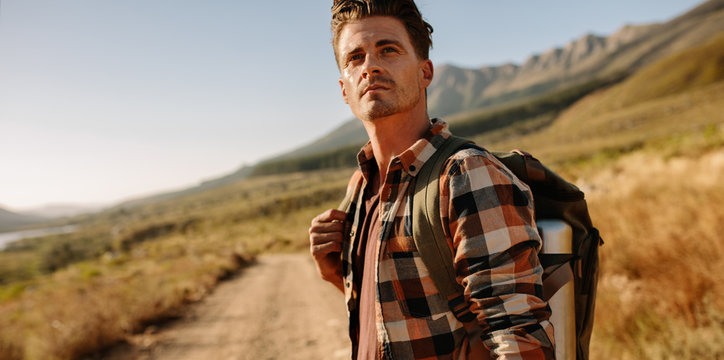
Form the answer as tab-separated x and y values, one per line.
346	11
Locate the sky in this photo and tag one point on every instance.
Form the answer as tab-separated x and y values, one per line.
103	101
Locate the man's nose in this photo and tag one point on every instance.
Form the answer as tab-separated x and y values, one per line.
371	66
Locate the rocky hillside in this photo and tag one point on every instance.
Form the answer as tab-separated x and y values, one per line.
590	58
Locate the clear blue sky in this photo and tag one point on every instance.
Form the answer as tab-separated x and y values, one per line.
105	100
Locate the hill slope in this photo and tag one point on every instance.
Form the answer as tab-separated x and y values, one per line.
589	58
10	220
680	96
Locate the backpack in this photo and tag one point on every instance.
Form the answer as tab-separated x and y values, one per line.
554	198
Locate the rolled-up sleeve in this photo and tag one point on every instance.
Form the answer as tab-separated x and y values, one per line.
492	232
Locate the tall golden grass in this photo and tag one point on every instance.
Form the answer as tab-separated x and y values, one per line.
92	304
661	294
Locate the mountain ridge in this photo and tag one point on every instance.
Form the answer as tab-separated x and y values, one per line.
589	57
10	220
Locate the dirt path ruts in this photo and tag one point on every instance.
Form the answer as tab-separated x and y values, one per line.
278	308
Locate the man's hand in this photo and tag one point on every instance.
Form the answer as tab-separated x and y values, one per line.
325	244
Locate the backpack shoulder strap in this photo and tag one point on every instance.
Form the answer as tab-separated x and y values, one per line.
427	227
523	165
351	187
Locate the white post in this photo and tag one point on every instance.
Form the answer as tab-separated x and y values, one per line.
557	239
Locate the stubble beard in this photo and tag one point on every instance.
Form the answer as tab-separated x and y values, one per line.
396	103
381	108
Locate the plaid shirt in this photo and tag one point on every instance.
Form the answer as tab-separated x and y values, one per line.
489	224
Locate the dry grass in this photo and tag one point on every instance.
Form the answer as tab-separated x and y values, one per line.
580	133
93	304
89	305
661	295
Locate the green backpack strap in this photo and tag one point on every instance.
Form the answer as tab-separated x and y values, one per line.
427	229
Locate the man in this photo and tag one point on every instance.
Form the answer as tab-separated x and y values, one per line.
395	310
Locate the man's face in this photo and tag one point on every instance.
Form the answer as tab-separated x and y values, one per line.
381	74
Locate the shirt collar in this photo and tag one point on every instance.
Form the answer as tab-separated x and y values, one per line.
415	156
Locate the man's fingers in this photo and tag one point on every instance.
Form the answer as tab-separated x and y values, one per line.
325	234
321	238
328	221
331	215
326	227
321	250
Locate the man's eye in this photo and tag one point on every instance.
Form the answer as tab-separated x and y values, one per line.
356	57
389	50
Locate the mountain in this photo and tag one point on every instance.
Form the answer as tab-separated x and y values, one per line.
673	106
240	174
11	220
62	210
552	77
588	58
350	132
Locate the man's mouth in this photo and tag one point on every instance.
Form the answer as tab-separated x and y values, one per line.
374	88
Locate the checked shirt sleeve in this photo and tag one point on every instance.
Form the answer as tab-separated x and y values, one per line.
489	215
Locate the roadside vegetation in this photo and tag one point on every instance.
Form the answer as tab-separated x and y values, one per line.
648	151
131	268
661	291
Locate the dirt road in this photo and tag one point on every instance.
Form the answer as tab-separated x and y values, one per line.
276	309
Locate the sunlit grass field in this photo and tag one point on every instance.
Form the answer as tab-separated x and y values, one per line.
154	261
661	292
648	152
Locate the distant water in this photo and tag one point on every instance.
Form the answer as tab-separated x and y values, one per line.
9	237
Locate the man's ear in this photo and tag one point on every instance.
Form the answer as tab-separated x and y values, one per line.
426	71
344	91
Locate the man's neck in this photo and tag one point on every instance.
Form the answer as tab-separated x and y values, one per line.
392	135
